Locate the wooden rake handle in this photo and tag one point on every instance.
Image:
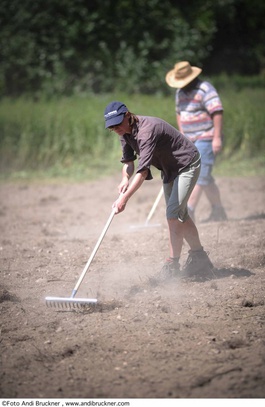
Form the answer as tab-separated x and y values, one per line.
104	231
154	206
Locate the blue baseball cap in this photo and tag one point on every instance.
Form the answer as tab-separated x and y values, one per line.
114	114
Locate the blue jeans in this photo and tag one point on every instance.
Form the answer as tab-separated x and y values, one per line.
207	162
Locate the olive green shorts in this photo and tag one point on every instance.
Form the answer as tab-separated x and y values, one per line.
177	192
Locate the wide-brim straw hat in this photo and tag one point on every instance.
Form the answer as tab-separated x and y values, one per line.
182	74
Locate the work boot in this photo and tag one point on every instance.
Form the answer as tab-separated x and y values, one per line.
217	215
198	264
171	269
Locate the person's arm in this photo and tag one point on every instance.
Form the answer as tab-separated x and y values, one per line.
218	127
127	172
179	123
134	186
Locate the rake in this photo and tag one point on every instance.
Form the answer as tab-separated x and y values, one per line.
72	301
146	224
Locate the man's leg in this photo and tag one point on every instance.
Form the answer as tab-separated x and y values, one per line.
206	183
180	224
213	194
198	263
182	230
194	200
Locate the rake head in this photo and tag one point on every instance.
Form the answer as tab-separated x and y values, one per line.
61	302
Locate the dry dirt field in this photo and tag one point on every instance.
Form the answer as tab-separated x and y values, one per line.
182	339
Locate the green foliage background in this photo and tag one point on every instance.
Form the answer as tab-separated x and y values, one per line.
63	61
70	47
66	137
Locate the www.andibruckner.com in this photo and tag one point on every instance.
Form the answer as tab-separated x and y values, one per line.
64	403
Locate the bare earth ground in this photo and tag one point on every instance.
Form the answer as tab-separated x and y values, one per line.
175	340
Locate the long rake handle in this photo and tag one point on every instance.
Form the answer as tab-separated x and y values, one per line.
93	253
154	205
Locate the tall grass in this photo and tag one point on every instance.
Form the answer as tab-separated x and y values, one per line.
244	122
66	137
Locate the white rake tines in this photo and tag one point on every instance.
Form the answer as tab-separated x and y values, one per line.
72	302
61	302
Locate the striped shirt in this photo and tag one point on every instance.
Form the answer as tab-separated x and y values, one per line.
195	107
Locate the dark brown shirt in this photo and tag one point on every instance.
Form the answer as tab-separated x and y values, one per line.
157	143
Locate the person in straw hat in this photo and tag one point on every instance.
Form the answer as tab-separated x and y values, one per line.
155	142
199	114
